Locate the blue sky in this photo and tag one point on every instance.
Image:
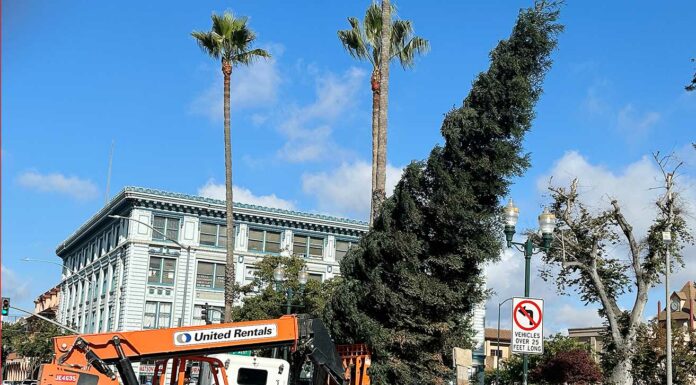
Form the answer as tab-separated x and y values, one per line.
79	75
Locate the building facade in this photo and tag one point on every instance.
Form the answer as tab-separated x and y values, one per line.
119	274
497	351
682	304
593	337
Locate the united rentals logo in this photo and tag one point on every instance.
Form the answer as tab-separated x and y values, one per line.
225	334
66	377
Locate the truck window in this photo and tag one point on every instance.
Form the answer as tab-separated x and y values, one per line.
247	376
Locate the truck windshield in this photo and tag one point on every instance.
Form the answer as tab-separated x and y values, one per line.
247	376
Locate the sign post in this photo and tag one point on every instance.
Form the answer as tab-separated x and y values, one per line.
527	326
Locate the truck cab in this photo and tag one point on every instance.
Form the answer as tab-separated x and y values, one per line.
252	370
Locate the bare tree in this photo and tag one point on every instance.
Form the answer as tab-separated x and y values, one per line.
589	249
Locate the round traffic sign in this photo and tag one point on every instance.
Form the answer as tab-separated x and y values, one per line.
532	316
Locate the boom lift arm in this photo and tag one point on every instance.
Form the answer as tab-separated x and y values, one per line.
91	354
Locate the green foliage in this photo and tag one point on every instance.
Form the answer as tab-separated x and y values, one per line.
30	338
363	42
230	40
264	301
649	355
544	369
412	281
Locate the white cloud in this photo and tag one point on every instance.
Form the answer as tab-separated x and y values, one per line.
346	189
308	128
635	186
251	86
72	186
13	286
243	195
634	124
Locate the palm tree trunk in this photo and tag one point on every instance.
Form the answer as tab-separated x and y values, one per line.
229	264
374	83
383	106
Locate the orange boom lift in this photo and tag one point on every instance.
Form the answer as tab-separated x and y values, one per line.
88	359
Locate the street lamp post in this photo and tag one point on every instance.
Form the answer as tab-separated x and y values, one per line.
188	258
547	223
498	352
279	278
59	264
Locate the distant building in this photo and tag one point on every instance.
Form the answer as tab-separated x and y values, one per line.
47	303
592	337
682	303
493	350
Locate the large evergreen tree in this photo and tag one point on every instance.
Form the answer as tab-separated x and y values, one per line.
413	279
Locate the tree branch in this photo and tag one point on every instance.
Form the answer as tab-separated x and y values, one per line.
627	230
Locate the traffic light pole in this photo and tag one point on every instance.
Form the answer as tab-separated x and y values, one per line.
46	319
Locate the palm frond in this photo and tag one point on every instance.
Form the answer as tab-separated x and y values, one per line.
209	42
373	24
353	40
249	57
416	45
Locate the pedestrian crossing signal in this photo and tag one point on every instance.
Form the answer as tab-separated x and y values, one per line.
5	306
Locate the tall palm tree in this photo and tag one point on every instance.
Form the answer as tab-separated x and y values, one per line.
230	41
364	43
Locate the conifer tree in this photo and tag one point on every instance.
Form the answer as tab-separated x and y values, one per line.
417	274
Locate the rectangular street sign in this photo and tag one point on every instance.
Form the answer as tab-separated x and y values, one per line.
527	325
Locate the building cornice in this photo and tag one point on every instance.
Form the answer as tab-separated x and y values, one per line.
131	197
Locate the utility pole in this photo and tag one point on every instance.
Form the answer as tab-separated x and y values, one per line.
667	240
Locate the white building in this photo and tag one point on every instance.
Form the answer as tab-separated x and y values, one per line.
121	275
138	279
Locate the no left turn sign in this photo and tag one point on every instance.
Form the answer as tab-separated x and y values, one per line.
527	325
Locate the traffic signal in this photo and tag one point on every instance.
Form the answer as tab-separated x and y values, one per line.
205	314
5	305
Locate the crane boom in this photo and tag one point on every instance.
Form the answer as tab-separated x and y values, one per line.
87	359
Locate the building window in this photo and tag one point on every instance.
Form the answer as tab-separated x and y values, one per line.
117	230
157	315
92	321
162	271
210	275
114	277
307	247
342	248
264	240
315	277
495	352
104	281
215	314
101	320
165	225
110	322
212	234
94	286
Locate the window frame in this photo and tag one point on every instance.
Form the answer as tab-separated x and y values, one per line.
156	236
308	245
157	314
350	245
218	233
264	241
161	270
215	275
